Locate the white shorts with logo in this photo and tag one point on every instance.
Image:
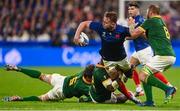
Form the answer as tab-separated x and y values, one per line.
57	82
144	55
124	64
161	63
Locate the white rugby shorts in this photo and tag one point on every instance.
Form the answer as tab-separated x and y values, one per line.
124	64
161	63
57	82
144	55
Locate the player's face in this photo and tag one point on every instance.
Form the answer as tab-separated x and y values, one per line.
108	24
133	11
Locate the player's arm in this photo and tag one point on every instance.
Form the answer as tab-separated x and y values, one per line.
81	27
110	85
85	99
134	32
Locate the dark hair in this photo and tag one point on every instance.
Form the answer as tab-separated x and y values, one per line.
111	15
88	71
135	4
154	9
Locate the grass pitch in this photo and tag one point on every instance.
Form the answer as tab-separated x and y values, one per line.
14	83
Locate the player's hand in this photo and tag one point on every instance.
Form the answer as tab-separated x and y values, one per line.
131	21
78	42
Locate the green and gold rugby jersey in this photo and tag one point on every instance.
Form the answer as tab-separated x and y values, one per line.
97	91
75	86
158	36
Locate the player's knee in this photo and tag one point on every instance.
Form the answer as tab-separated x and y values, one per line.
142	76
44	97
45	78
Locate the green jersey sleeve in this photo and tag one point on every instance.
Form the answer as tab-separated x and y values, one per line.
145	26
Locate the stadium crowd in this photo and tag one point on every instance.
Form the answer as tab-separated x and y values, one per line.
57	20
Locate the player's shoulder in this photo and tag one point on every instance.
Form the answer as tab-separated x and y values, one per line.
95	23
139	18
99	71
121	28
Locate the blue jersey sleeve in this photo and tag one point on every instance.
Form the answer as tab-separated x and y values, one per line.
94	26
126	31
139	20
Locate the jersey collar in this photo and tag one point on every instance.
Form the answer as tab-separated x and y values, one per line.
86	81
157	16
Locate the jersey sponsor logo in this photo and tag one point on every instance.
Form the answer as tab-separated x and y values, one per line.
117	36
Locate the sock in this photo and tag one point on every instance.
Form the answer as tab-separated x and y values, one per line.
31	73
161	77
148	92
136	78
123	89
31	98
151	80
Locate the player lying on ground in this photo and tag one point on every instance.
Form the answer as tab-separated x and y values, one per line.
143	52
105	84
159	39
63	86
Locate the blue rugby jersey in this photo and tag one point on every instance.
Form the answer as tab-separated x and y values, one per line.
112	48
140	42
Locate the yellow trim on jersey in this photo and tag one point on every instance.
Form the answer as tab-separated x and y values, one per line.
87	82
158	16
142	29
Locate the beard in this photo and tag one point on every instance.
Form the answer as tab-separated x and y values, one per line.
110	28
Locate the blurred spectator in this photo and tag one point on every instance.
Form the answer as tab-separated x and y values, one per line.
49	20
57	20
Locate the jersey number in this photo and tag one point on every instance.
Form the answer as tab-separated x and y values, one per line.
72	81
166	32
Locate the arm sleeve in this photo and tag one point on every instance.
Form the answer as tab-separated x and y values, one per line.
145	25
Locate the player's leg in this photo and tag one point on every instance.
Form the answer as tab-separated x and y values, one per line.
128	94
18	98
156	64
56	93
144	56
135	62
161	77
29	72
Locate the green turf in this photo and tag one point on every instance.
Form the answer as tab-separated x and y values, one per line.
13	83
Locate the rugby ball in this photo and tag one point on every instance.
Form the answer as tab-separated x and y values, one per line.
84	38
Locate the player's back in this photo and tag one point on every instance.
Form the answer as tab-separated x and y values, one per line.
158	36
75	86
97	90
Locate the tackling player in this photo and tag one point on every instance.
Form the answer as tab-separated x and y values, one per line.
63	86
143	52
103	87
164	56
